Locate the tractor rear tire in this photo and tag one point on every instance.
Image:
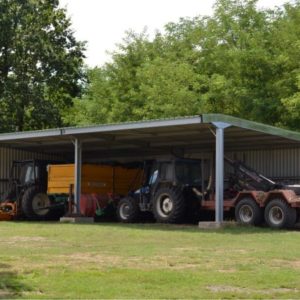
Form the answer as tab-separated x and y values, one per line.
128	210
247	212
279	214
169	205
33	201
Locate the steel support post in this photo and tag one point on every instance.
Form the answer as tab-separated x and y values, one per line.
77	183
219	174
219	197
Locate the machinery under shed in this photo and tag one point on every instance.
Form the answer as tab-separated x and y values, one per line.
271	151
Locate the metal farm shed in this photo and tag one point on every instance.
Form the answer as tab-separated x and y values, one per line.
273	151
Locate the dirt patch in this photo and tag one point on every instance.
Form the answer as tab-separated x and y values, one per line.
5	294
185	249
23	239
232	251
103	260
227	270
280	290
90	258
234	289
279	263
225	288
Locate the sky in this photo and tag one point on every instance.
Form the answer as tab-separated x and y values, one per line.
102	23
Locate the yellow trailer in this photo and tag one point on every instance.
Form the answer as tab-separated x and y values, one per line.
95	179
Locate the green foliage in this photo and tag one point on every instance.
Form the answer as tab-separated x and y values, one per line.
40	64
291	118
157	82
241	61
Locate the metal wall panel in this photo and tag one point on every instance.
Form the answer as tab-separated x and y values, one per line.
7	156
279	164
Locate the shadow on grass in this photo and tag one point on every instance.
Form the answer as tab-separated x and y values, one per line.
150	225
192	228
11	286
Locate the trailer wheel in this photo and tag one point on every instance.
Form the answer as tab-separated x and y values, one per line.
279	214
169	205
248	212
128	210
33	202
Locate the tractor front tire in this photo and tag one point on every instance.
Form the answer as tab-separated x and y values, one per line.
247	212
169	205
128	210
33	202
279	214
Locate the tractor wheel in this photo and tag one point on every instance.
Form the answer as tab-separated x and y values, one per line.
247	212
279	214
128	210
169	205
33	202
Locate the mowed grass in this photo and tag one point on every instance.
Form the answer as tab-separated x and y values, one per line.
53	260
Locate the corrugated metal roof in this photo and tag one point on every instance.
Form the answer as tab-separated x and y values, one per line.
204	119
101	127
241	123
153	137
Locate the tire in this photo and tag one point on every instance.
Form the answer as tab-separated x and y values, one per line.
128	210
56	213
247	212
169	205
279	214
32	201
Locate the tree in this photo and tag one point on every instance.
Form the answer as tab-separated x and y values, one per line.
241	61
286	44
40	64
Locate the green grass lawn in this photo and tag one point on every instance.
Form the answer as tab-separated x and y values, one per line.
53	260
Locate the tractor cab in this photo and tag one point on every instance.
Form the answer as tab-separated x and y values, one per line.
24	174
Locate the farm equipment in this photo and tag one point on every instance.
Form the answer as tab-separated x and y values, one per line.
101	185
172	189
26	196
258	198
39	190
167	191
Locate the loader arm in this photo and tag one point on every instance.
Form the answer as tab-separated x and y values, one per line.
247	178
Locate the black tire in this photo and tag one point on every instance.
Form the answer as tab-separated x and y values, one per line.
128	210
169	205
247	212
32	201
279	214
56	213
